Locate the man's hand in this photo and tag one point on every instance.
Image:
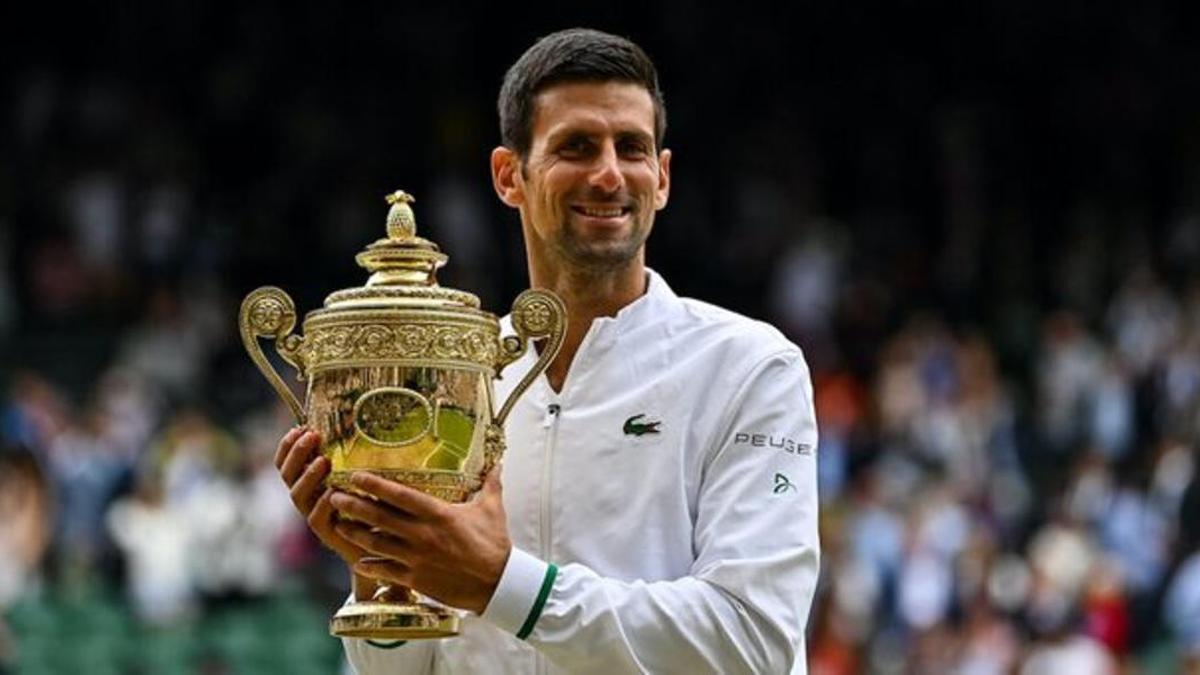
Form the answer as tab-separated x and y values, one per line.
303	470
454	553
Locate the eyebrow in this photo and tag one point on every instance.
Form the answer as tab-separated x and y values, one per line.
636	135
567	134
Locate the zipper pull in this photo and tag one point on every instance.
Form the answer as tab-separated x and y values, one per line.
551	413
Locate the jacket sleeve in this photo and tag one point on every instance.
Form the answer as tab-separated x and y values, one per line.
744	605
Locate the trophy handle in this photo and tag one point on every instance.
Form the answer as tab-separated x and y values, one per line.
269	312
535	314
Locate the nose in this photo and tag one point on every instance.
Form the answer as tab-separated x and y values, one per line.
606	174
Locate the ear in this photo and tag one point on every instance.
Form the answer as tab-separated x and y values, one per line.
664	180
506	176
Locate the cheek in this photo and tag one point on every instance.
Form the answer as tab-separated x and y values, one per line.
645	181
554	187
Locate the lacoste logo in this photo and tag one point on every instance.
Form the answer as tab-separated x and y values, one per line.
782	484
635	428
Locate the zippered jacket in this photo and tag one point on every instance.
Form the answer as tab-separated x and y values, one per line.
662	507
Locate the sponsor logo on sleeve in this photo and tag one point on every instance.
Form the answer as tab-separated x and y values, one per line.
782	484
772	441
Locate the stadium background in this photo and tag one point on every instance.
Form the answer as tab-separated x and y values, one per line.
981	223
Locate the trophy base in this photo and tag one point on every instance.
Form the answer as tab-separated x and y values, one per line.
394	621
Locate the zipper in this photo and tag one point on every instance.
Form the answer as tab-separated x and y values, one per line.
550	425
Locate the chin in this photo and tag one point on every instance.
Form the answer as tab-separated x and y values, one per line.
616	255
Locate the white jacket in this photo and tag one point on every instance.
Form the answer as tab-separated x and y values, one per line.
662	507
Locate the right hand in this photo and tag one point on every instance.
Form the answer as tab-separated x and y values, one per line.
303	470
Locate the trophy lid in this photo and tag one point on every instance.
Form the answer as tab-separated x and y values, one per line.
403	269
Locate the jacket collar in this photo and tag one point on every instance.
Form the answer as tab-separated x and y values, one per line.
657	302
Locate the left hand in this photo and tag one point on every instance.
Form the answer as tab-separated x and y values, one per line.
454	553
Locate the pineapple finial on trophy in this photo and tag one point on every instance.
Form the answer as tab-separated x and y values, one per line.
401	223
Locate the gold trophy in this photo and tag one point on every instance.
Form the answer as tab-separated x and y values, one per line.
399	377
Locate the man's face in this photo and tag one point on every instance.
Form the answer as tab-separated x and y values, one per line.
592	180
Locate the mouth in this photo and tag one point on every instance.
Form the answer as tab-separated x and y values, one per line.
605	212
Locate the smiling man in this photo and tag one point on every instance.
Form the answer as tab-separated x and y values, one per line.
641	527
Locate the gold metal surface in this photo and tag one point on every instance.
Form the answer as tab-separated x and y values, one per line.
399	379
380	620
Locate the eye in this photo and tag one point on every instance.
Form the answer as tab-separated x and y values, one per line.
574	147
633	148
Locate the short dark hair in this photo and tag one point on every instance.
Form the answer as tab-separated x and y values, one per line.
573	55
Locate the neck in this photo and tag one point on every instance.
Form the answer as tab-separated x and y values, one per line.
588	295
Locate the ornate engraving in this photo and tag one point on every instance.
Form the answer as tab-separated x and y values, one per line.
372	342
493	447
450	486
450	296
537	315
269	312
393	416
267	315
401	223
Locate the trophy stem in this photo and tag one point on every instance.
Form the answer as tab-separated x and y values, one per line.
394	613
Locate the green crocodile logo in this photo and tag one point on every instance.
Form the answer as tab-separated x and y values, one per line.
635	428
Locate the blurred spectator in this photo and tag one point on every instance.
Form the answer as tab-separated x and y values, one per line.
191	453
87	468
804	291
1136	533
168	348
1061	555
1144	319
156	540
25	533
1069	370
35	412
1066	652
1182	609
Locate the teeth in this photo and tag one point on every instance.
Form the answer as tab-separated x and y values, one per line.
600	213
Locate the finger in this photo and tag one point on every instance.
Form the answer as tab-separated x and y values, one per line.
492	485
400	496
306	490
372	514
384	570
285	444
322	512
322	519
372	540
297	457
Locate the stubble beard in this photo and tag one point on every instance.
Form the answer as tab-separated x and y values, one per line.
600	257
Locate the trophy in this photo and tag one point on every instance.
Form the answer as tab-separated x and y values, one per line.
399	382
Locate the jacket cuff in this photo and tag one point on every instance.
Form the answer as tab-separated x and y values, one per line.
521	594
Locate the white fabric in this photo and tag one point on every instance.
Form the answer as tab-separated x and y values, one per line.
689	550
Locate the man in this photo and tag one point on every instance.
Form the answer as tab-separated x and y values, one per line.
659	510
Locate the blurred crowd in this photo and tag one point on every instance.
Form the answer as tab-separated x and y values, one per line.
971	526
990	257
